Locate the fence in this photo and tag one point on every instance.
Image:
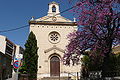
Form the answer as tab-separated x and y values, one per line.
111	73
97	75
25	77
92	75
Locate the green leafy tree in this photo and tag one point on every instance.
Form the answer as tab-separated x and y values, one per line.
89	60
30	57
85	66
114	65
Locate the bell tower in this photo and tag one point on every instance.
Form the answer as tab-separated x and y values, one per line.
53	9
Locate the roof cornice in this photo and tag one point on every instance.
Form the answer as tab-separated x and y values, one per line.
53	23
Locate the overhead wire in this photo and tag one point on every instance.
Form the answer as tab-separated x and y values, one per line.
58	13
28	25
14	29
43	20
8	30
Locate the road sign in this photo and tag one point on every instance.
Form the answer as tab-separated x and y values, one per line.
16	64
16	59
19	56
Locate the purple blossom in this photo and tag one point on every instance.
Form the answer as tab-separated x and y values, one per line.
101	31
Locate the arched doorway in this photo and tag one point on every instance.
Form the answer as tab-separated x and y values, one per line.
54	66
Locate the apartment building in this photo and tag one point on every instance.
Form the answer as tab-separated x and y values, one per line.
7	52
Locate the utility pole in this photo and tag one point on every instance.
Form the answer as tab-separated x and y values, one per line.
77	76
68	76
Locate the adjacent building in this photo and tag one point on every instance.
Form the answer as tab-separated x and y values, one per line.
7	52
116	49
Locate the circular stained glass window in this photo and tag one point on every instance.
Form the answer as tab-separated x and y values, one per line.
54	37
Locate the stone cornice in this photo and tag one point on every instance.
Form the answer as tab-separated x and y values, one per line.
53	23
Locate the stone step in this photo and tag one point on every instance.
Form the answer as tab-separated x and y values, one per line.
54	78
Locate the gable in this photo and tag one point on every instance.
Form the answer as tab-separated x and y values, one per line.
51	19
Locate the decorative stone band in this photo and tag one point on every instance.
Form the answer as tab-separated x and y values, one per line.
53	23
56	48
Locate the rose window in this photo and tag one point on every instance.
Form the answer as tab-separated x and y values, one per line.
54	37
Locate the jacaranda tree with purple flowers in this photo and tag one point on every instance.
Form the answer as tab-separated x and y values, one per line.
99	29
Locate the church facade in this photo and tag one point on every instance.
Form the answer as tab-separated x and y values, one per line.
51	33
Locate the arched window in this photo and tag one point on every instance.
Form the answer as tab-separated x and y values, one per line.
54	9
55	58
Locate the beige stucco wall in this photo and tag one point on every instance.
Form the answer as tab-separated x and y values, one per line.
42	32
47	48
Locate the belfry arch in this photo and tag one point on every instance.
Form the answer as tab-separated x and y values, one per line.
53	8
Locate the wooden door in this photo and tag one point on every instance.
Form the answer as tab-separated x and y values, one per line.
54	66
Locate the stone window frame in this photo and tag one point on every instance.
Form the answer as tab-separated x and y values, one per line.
54	37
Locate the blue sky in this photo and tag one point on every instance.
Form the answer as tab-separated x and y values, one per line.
17	13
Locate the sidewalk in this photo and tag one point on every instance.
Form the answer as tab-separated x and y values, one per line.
14	76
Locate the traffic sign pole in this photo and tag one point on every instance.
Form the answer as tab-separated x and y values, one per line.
18	70
17	63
